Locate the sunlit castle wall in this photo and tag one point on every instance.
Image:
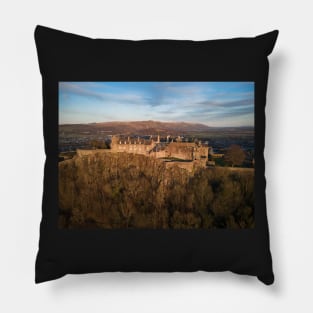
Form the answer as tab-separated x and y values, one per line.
136	146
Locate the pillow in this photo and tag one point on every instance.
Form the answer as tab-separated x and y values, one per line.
154	155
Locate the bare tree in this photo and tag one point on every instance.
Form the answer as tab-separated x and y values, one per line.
234	155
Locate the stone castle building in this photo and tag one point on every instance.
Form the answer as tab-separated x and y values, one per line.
186	155
137	146
188	151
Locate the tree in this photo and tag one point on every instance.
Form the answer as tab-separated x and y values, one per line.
98	144
234	155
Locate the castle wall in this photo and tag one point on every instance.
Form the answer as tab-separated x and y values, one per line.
132	148
179	150
159	154
189	166
197	155
82	152
201	153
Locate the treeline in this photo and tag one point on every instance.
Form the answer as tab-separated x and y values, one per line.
133	191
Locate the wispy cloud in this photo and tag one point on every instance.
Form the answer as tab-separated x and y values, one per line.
228	104
89	91
78	89
206	102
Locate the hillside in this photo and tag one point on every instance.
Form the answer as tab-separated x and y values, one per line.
120	190
138	128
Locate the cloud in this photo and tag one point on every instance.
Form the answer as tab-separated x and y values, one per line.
161	93
228	104
205	102
78	89
87	90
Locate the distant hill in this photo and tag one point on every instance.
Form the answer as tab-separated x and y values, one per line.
136	127
152	128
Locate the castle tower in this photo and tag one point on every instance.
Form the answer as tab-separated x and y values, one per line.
114	142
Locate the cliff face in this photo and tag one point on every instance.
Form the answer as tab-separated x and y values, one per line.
122	190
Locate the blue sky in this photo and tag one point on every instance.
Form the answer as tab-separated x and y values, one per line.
209	103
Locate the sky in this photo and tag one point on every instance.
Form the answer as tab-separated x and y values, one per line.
211	103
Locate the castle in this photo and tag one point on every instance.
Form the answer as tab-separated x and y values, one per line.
188	151
187	155
137	146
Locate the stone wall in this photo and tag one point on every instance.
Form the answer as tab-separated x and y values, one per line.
137	146
189	166
158	154
188	151
82	152
181	150
132	148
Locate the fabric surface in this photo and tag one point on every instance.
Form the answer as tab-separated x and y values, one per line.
209	218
